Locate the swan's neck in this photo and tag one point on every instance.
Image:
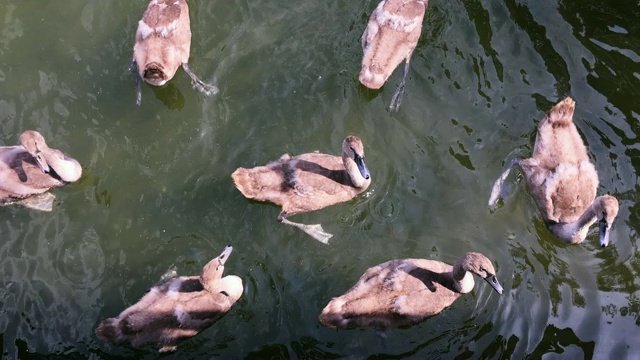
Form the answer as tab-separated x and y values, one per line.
230	285
462	279
68	169
575	232
354	173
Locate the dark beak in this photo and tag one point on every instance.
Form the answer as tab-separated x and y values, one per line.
42	164
493	281
225	255
603	234
362	166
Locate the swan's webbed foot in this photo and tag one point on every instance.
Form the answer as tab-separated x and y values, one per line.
134	70
199	85
315	231
396	100
497	189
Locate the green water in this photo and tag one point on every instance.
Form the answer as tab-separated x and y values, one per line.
156	192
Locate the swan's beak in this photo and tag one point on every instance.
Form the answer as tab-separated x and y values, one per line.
603	234
362	166
493	281
42	163
225	255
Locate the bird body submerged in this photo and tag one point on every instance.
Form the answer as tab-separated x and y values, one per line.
175	310
33	168
163	44
562	180
390	38
307	182
302	183
404	292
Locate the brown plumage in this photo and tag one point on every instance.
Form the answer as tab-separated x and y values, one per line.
176	310
562	180
390	38
33	168
307	182
163	43
404	292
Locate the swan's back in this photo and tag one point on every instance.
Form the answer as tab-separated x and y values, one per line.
558	140
561	178
169	313
303	183
21	177
393	294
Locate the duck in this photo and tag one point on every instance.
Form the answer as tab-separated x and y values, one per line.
390	38
404	292
162	45
562	180
307	182
177	309
34	168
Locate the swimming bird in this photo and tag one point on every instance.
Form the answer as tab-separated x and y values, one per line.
390	37
307	182
563	181
176	309
163	44
407	291
33	168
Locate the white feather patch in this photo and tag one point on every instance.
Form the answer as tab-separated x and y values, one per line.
181	315
145	30
467	283
174	288
395	22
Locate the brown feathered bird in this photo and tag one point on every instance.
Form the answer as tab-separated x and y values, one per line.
404	292
562	179
33	168
307	182
390	38
163	44
176	310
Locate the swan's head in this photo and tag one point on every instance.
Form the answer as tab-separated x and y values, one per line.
154	74
34	143
353	158
606	207
212	272
481	266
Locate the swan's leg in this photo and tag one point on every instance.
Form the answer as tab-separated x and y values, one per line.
315	231
382	335
397	97
496	191
198	84
134	70
41	202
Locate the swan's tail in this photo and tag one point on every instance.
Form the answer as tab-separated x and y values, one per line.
562	113
243	182
332	314
108	331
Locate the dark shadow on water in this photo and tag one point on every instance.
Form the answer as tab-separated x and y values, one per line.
170	96
557	340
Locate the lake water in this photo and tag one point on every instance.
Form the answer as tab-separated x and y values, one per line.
156	192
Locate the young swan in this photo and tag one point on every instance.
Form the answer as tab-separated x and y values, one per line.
563	181
176	310
390	37
163	43
307	182
404	292
34	168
